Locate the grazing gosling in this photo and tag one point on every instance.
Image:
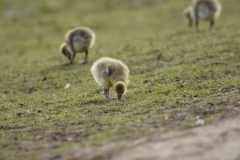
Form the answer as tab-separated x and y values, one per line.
109	72
208	10
79	39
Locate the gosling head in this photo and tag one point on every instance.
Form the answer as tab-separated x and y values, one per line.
187	14
64	51
120	89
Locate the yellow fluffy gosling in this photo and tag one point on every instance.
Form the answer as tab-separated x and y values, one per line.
203	10
79	39
109	72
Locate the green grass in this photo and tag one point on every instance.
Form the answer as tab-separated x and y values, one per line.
175	73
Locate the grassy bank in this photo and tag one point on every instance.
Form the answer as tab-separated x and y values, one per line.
175	73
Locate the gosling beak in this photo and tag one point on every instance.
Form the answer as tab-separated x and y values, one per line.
119	97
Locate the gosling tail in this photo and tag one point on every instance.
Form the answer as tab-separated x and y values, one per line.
108	70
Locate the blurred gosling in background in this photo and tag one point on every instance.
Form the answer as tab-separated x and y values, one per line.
79	39
208	10
109	72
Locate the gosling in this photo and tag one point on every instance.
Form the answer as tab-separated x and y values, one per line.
208	10
79	39
109	72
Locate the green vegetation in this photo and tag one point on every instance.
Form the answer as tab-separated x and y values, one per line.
176	73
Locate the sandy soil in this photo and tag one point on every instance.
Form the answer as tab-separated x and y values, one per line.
219	141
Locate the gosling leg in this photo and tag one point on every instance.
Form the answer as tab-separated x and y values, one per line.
85	59
106	93
211	24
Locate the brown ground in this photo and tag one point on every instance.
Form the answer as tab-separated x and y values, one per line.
219	141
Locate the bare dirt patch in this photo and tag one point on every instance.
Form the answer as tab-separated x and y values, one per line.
216	141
